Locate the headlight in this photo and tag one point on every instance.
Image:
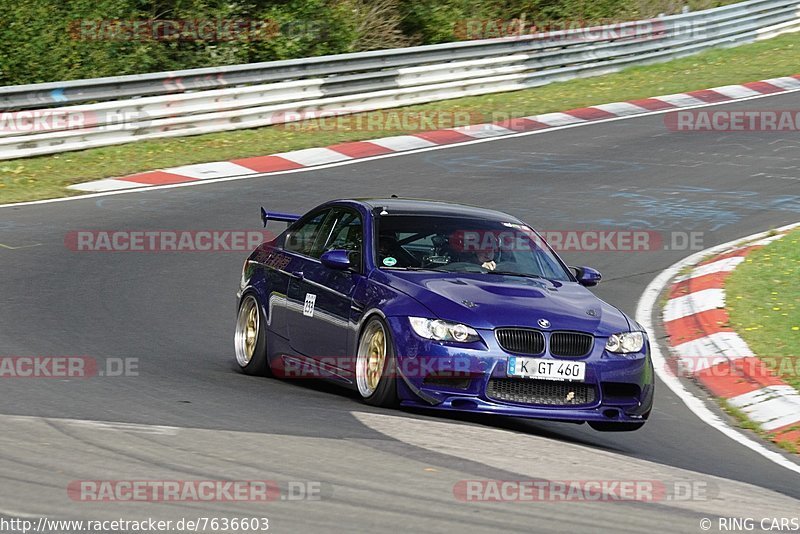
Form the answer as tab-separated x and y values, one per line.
443	330
625	342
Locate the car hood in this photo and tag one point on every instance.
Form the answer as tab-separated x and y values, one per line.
489	301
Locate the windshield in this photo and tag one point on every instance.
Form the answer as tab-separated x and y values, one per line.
468	245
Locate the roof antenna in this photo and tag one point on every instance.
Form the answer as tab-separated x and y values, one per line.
394	196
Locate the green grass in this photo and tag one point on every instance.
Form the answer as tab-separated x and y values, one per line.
47	176
763	300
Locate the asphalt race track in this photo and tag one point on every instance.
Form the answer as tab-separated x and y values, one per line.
377	469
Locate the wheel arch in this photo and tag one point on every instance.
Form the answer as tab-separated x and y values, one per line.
365	318
260	294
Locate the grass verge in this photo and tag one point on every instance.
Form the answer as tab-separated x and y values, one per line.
47	176
763	301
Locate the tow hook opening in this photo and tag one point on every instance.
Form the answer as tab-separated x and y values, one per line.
463	404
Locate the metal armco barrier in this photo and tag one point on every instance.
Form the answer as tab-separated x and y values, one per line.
44	118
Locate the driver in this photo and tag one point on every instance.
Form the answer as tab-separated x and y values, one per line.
487	253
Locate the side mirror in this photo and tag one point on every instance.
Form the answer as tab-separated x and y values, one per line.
338	259
587	276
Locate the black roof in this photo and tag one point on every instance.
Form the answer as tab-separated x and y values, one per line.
433	208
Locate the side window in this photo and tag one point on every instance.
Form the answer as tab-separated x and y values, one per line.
302	238
345	232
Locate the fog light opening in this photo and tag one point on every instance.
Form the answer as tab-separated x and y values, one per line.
463	404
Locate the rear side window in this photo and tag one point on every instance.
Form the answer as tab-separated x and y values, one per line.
301	238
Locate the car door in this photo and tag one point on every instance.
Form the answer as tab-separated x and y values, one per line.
298	244
321	297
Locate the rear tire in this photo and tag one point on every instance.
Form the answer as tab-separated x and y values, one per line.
376	365
250	340
602	426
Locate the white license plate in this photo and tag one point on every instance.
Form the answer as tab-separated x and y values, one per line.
546	369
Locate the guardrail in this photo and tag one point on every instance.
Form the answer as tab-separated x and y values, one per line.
235	97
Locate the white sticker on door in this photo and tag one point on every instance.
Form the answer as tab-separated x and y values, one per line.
308	306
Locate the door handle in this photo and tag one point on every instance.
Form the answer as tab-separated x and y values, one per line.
298	274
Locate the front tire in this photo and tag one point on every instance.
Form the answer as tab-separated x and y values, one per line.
376	366
250	340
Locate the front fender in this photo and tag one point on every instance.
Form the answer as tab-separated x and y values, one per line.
374	298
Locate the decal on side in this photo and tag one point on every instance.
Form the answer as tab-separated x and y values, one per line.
308	305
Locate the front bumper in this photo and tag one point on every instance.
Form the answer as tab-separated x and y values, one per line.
449	376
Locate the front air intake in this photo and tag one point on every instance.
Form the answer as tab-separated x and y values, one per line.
542	392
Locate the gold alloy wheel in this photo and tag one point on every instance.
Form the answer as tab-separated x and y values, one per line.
377	355
247	325
371	358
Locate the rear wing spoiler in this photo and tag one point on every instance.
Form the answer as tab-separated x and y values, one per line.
267	216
